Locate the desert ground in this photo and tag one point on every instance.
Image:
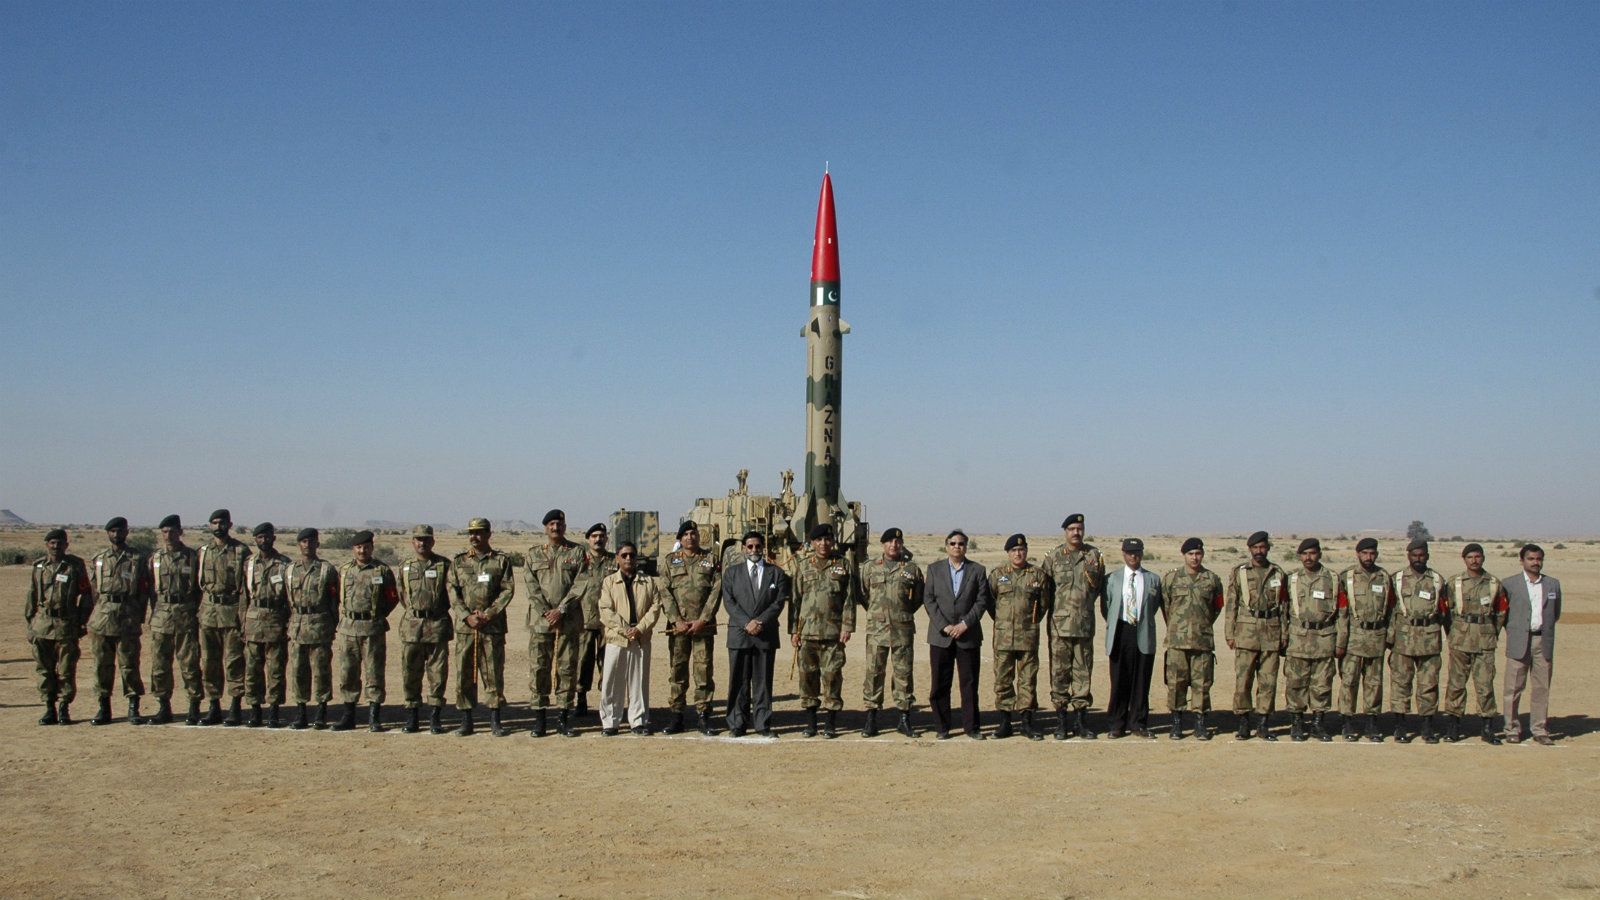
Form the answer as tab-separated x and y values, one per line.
222	812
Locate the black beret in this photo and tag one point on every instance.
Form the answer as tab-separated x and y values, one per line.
1309	544
892	534
554	515
263	528
598	526
1133	545
1471	548
1015	541
361	537
1193	544
222	514
1418	544
171	521
56	534
1366	544
687	527
819	531
752	533
306	534
116	522
1074	519
1259	537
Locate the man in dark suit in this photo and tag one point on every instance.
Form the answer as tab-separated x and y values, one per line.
1129	603
1533	604
956	595
753	593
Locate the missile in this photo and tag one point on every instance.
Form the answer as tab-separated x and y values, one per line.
824	367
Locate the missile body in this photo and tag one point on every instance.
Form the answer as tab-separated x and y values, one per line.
824	365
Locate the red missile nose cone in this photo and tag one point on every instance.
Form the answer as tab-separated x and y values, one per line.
825	246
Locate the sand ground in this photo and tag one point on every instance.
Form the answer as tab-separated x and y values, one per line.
203	812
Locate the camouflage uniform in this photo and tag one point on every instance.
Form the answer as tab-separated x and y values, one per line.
368	595
893	594
222	582
826	591
1368	600
555	579
1416	634
1318	630
694	594
59	602
425	629
1476	615
121	592
481	584
1077	576
313	617
266	628
1258	600
1022	596
175	622
1190	605
591	655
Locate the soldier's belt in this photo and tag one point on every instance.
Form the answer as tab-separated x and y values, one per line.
429	614
1475	618
111	598
1372	626
222	599
1318	626
308	610
358	617
1270	613
1420	621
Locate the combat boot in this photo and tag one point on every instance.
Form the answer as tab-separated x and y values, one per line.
497	726
905	724
321	720
583	706
375	718
1202	732
274	720
233	720
49	717
411	726
1177	725
1297	731
702	718
133	712
193	718
564	724
1429	736
1082	720
63	717
1374	736
830	723
538	728
1349	731
1061	724
347	722
1400	735
1028	731
1004	731
163	712
1243	734
435	721
811	723
1318	729
255	716
1489	736
213	714
675	724
1264	730
301	723
466	723
1452	728
103	715
871	728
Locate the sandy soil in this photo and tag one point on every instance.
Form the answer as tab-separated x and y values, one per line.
180	811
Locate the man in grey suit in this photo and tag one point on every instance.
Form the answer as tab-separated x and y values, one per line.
1129	603
1533	606
753	593
955	596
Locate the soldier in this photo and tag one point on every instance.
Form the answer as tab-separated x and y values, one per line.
1319	631
1077	571
481	587
694	596
893	586
1478	612
1415	640
121	593
313	618
175	621
1364	590
556	582
590	657
826	591
425	630
222	564
1022	595
59	601
1258	599
368	594
1193	599
266	626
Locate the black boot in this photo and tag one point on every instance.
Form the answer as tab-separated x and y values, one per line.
830	724
193	718
103	715
1082	721
1028	731
538	723
133	712
811	723
1202	732
1263	729
163	712
871	728
321	720
1452	728
301	722
255	716
466	723
347	722
674	724
213	714
1374	736
1061	724
49	717
375	718
1318	729
1243	734
1297	731
274	719
703	720
1428	734
1004	730
233	720
497	727
583	704
564	724
1349	731
411	726
1488	734
905	724
435	721
1400	735
1177	725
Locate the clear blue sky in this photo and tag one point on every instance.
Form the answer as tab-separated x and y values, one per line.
1182	267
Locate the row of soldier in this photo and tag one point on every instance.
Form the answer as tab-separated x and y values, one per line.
235	622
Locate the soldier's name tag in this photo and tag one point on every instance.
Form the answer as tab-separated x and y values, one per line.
1319	595
1274	584
1377	589
1483	601
276	579
430	573
1550	595
62	577
483	577
1005	579
1424	595
378	578
676	562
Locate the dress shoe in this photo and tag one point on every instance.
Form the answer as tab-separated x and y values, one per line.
1116	733
1145	732
767	733
943	734
609	732
640	730
737	731
976	734
1544	740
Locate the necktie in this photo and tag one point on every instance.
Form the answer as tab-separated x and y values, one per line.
1130	596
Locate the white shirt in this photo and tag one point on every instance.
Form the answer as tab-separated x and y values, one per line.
1535	601
1132	595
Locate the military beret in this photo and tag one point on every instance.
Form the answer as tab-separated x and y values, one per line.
598	526
222	514
1074	519
1418	544
1309	544
687	527
263	528
1133	545
1366	544
116	522
361	537
478	524
306	534
892	534
820	531
1471	548
1259	537
752	533
1015	541
171	521
422	531
56	534
1193	544
554	515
